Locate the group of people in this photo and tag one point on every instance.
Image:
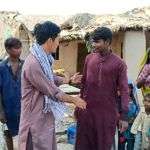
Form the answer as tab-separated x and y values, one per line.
31	101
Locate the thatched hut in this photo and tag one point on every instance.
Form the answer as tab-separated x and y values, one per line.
11	26
131	37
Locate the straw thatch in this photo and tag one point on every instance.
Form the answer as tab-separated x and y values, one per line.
10	26
136	19
75	27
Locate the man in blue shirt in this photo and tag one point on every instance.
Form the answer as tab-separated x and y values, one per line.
10	89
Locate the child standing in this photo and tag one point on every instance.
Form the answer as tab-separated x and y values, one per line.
10	89
146	124
126	138
141	127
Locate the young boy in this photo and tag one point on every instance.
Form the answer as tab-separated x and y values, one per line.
10	89
141	127
126	139
103	73
146	124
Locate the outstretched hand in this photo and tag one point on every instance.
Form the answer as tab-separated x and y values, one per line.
76	78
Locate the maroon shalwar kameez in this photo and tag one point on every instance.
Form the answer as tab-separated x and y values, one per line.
96	125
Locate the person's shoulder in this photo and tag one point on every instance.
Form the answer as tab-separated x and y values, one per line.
90	55
30	62
30	59
3	63
87	57
118	59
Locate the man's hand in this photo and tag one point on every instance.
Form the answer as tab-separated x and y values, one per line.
80	103
76	78
123	125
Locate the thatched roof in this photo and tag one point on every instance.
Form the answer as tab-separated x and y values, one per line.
11	19
10	26
31	20
136	19
75	27
10	22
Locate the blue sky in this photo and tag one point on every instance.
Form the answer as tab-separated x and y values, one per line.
69	7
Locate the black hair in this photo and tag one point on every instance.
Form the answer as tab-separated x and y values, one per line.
130	86
103	33
12	42
44	31
147	97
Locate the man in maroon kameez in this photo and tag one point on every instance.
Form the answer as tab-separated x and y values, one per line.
103	74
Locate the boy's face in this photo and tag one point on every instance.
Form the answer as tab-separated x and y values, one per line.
100	45
53	44
15	52
147	105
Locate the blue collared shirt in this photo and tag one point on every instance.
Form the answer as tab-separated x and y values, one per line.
10	90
